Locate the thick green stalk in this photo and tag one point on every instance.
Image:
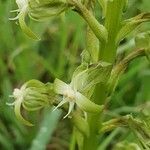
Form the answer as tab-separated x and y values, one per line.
112	23
107	53
98	29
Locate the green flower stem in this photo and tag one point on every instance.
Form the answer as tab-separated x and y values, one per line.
133	55
98	29
93	119
107	53
113	21
73	141
93	48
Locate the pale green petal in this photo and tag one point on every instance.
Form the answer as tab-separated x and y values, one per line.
87	105
15	18
25	28
60	87
60	104
16	10
18	113
33	105
71	106
30	108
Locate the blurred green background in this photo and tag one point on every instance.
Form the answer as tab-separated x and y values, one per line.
57	55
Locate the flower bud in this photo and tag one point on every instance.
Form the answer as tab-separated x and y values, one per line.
32	96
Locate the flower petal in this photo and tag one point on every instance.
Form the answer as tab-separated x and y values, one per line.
30	108
71	106
60	87
15	18
18	113
87	105
60	104
24	27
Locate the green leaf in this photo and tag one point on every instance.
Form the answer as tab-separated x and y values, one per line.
79	138
47	127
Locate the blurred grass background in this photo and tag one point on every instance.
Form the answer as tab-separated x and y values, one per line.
57	55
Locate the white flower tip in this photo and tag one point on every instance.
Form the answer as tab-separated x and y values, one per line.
15	18
67	116
16	10
17	93
71	107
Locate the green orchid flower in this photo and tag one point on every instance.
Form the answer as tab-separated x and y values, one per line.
32	96
23	9
38	10
74	97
